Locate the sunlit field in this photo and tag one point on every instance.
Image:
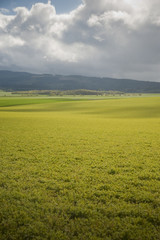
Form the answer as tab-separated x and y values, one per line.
80	169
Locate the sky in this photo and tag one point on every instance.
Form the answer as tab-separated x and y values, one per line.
106	38
62	6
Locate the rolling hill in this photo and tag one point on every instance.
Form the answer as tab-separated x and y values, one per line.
22	81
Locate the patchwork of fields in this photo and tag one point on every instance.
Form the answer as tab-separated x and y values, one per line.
80	169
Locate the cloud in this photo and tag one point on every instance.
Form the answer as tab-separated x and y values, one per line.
4	10
102	38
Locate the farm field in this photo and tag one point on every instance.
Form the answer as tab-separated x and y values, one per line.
80	169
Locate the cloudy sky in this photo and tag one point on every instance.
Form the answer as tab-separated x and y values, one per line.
112	38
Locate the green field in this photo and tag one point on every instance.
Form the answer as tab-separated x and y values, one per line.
80	170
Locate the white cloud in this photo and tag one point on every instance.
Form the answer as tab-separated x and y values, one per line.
8	41
103	38
4	10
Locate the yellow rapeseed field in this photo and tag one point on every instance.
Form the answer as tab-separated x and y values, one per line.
80	169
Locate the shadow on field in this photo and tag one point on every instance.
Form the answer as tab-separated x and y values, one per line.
110	108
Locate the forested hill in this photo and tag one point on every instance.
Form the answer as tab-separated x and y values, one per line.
21	81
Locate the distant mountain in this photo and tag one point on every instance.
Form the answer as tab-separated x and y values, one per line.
22	81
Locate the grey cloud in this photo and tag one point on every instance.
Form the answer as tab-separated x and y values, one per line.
102	38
